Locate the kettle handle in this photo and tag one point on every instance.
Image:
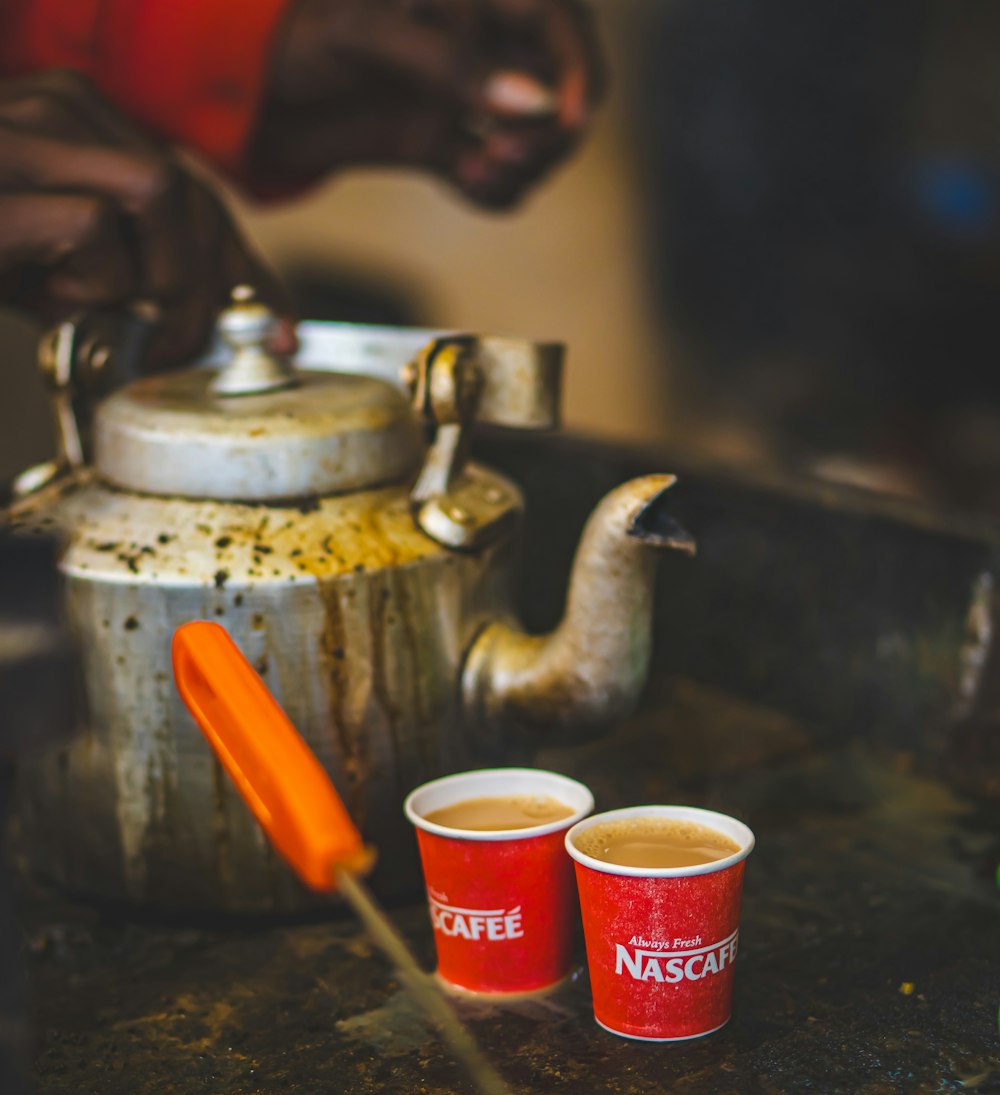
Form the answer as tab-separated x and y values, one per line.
80	359
517	382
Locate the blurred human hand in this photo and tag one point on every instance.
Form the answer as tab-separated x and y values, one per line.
457	87
94	214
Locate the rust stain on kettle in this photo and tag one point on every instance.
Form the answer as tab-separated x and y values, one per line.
352	746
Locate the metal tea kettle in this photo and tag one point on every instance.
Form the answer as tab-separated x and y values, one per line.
365	570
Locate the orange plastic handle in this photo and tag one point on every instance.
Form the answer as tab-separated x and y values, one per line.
274	770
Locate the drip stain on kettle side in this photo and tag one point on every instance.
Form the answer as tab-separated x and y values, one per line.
349	745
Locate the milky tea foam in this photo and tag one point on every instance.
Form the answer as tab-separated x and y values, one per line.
654	842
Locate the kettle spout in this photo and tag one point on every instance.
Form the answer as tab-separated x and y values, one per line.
589	671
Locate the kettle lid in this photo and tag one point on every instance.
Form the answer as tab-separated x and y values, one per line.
256	429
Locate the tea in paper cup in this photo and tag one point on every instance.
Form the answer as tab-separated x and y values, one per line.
500	886
661	924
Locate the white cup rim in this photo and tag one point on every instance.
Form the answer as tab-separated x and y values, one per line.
722	822
484	781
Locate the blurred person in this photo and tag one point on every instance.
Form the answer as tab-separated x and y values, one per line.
96	207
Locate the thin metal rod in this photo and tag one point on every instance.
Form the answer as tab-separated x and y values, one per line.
430	998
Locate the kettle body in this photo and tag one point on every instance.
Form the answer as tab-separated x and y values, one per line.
357	621
331	520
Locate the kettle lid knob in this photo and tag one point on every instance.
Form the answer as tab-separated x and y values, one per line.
247	326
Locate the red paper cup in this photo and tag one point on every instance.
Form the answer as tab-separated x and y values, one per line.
502	903
661	942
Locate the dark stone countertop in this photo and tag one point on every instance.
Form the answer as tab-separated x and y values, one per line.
870	876
828	669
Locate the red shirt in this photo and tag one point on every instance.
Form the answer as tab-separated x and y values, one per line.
191	71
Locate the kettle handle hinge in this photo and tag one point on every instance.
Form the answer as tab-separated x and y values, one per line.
445	384
79	359
457	504
454	382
